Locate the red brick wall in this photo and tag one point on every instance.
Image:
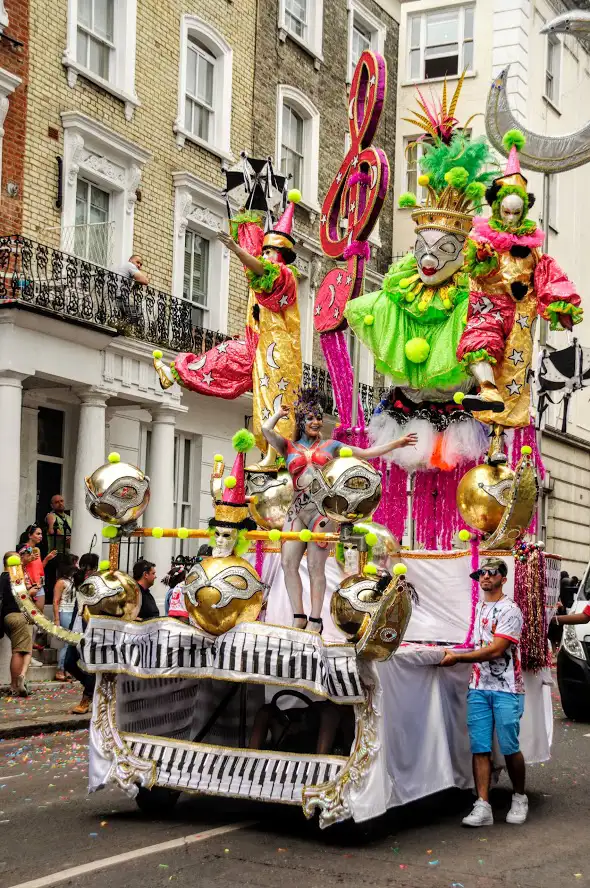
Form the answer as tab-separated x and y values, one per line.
14	59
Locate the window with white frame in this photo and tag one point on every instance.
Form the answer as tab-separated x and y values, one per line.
93	228
101	39
196	277
302	20
440	43
101	176
413	151
184	447
553	68
365	31
298	142
204	100
200	261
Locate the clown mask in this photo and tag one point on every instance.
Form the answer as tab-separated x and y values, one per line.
225	540
511	210
438	254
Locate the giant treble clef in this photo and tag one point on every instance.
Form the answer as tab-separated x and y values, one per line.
355	197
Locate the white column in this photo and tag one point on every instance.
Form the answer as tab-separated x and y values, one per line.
11	392
160	512
90	454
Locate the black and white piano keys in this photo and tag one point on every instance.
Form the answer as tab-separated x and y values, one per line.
244	774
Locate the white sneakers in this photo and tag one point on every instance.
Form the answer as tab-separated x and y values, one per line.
482	812
518	810
480	816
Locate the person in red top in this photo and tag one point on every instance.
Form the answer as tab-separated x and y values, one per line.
304	457
573	619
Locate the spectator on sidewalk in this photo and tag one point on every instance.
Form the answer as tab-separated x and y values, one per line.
87	565
59	525
133	270
174	601
14	623
144	574
64	600
30	539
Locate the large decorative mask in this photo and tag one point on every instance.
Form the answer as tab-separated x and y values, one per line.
219	593
384	553
347	489
483	495
109	594
274	495
511	210
117	493
225	541
372	613
439	255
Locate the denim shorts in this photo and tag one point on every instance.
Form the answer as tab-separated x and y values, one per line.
487	710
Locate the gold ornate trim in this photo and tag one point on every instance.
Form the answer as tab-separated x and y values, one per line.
126	770
32	612
333	798
522	499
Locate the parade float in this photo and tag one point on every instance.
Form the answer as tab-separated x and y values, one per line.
306	673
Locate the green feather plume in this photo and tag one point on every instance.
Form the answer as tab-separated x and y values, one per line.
472	155
407	199
243	441
515	138
457	177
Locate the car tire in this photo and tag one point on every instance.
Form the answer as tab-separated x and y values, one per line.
157	802
574	709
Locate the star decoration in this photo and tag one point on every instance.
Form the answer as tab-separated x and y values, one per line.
263	381
498	316
336	312
222	347
522	321
355	160
283	300
514	388
283	385
338	176
207	379
324	219
265	413
318	310
481	306
339	278
516	357
349	279
372	81
353	206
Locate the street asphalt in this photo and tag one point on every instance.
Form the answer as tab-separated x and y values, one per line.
48	824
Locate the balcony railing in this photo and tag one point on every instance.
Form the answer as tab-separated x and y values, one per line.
50	281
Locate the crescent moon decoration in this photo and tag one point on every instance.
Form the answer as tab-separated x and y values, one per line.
277	403
196	365
544	154
351	109
374	174
332	290
270	359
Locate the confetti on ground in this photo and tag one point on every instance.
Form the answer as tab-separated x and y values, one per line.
93	835
163	866
403	866
433	862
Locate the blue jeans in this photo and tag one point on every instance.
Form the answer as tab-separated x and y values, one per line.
65	618
487	710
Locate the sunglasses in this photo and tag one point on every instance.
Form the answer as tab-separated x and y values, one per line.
486	572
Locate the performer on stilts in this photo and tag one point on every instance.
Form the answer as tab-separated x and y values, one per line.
305	454
268	360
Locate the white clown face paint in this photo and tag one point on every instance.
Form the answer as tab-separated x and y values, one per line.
511	210
438	254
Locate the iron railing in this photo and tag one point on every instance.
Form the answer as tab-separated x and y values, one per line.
46	279
59	283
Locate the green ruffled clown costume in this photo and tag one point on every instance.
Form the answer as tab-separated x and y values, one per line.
414	323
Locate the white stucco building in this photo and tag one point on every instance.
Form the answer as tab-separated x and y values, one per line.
549	89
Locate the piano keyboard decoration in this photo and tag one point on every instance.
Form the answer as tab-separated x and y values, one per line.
255	652
241	773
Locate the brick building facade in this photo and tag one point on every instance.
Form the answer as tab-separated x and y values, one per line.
14	49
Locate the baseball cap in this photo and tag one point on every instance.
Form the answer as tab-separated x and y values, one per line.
496	564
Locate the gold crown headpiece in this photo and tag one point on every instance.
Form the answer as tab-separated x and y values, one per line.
447	211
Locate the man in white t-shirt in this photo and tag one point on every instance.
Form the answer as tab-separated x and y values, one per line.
495	699
133	269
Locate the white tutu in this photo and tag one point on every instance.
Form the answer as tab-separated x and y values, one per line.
464	441
418	456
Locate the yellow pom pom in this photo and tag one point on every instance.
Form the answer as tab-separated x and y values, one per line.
305	536
274	535
370	569
410	296
345	451
447	304
459	397
423	180
369	320
104	565
230	481
417	350
405	283
157	354
182	533
422	306
157	532
400	569
109	532
13	560
464	535
371	538
114	457
526	450
218	457
294	195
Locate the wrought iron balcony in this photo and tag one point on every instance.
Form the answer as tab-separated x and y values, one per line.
50	281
